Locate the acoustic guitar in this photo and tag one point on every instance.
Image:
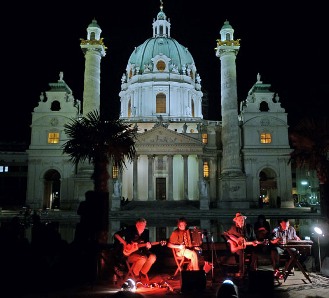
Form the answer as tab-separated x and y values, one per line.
129	248
237	243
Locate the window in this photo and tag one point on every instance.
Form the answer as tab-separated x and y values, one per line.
129	109
53	137
3	169
265	138
115	172
205	169
204	138
161	103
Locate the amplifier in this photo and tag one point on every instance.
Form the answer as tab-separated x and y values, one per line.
193	281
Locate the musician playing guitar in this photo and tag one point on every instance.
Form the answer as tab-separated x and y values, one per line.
136	245
240	236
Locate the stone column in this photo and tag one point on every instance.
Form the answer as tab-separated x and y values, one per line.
185	173
170	178
151	196
135	178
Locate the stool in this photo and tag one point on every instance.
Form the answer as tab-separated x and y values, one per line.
130	270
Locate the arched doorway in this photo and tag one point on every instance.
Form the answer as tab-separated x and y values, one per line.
268	189
52	187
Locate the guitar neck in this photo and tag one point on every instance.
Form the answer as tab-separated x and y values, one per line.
144	244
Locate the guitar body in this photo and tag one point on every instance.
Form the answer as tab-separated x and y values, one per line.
129	248
237	243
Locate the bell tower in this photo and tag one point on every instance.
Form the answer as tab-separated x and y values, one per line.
93	49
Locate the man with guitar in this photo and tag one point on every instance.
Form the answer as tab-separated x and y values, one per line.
239	236
136	245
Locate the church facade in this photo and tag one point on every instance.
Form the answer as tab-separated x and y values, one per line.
238	162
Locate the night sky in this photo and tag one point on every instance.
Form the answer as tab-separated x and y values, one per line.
287	45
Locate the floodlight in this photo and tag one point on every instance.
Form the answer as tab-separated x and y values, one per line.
319	232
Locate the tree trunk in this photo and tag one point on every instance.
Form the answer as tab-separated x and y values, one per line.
324	200
102	216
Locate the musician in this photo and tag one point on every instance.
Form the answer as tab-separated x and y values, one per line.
262	231
130	238
240	232
178	241
282	234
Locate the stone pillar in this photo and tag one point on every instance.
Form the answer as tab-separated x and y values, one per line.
135	178
185	158
170	178
151	196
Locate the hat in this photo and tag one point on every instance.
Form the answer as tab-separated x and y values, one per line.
238	215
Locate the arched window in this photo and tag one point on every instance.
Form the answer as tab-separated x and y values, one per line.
263	107
205	169
161	103
55	106
204	138
129	108
193	114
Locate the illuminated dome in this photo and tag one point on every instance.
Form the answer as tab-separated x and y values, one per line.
161	69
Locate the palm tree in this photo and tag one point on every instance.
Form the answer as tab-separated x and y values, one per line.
310	141
100	142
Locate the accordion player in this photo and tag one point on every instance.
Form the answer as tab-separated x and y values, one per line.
193	239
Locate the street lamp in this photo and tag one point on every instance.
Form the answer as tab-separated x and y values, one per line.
319	232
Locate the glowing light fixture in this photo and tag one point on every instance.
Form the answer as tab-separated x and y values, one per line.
129	285
319	232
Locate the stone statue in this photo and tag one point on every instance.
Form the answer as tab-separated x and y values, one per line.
203	188
117	189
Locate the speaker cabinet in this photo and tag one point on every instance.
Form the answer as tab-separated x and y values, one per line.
193	281
261	281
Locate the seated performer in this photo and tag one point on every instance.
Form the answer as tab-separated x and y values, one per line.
262	231
239	236
136	245
178	241
281	234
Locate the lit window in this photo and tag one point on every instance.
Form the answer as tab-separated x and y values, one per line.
115	172
129	108
161	103
205	169
204	138
3	169
265	138
53	137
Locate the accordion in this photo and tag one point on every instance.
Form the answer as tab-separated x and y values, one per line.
193	237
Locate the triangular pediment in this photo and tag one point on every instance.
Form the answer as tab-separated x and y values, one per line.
161	138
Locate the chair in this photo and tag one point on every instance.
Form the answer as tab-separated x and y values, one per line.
180	262
130	270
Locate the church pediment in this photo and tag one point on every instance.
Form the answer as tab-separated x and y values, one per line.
160	138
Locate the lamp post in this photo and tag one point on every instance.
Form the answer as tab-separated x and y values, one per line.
318	231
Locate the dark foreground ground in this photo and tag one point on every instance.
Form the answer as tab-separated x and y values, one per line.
161	285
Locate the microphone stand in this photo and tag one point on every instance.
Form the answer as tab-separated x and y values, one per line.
212	258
